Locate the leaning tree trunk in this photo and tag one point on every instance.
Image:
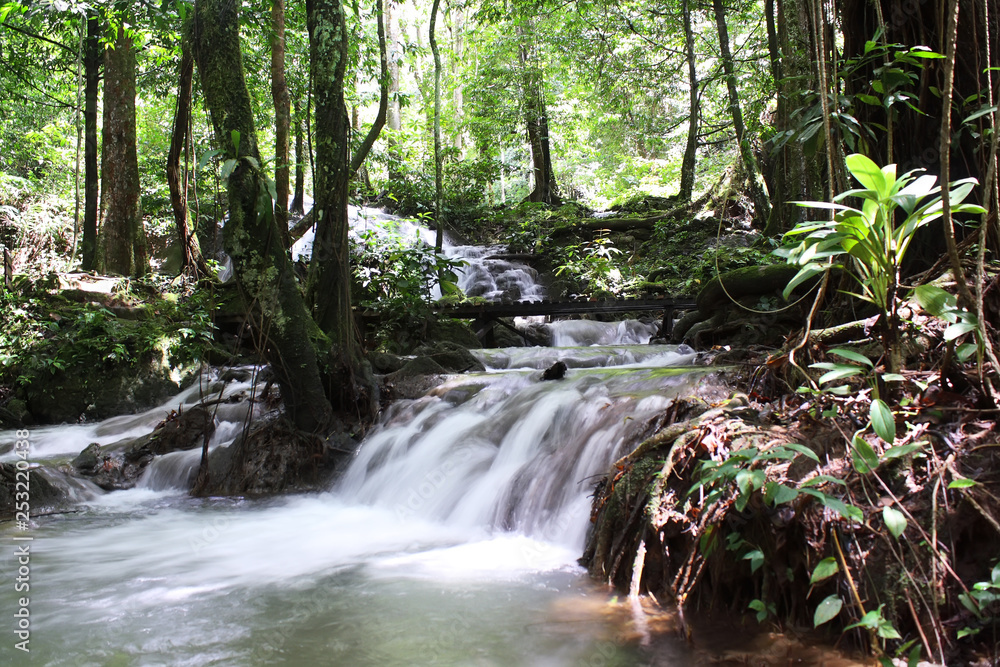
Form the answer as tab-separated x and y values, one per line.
282	118
193	261
121	247
329	288
250	236
91	182
689	162
762	207
536	118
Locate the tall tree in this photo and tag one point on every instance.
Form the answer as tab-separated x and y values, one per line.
282	117
250	237
438	157
383	102
177	179
762	206
91	178
689	161
393	116
536	118
329	284
298	199
122	245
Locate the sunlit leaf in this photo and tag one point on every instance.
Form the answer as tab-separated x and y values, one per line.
895	521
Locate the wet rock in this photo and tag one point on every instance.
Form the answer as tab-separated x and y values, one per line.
14	413
450	356
120	465
444	330
384	363
275	458
97	393
43	493
556	371
236	375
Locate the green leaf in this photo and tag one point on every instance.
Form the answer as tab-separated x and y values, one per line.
867	172
961	484
883	422
958	329
965	351
981	112
895	521
778	494
756	558
821	479
206	156
802	449
902	450
235	136
827	610
862	455
836	371
893	377
852	355
825	569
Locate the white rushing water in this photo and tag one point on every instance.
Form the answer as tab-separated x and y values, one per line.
451	539
481	276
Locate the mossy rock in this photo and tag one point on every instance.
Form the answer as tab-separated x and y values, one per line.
97	393
447	330
744	282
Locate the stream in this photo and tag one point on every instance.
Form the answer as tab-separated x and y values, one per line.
451	539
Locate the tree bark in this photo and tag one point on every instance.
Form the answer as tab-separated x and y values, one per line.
393	119
122	247
536	118
250	236
282	118
762	207
438	158
91	182
298	199
795	176
689	162
383	102
329	283
192	259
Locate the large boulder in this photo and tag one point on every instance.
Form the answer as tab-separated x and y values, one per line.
120	465
44	494
452	357
97	392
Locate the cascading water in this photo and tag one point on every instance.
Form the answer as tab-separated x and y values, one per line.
482	276
451	539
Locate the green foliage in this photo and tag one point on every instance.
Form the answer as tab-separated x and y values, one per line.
47	334
395	279
983	601
593	264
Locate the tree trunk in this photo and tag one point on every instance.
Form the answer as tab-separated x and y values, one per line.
383	102
438	158
795	176
393	112
122	248
458	98
298	200
536	118
193	261
282	119
91	182
329	286
689	163
762	207
250	236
